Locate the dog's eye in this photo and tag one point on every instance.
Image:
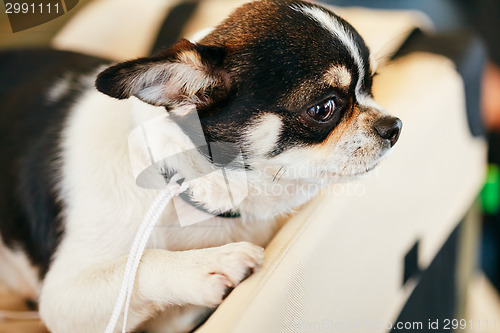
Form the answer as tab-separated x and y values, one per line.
322	112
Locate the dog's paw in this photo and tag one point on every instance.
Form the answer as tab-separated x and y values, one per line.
225	267
236	261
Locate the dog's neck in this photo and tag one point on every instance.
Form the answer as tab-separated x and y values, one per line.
220	191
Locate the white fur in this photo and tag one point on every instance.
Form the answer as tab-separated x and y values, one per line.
103	205
162	83
339	158
263	135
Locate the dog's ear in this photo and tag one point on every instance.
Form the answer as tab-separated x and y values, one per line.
186	73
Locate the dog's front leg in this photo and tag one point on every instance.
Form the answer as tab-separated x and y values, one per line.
177	319
83	301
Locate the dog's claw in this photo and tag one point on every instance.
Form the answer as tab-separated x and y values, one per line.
228	266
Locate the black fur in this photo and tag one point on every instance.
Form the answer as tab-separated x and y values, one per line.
283	49
30	129
261	54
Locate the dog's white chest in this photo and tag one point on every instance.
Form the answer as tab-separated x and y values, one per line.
184	227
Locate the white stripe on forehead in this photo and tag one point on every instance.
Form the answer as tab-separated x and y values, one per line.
333	25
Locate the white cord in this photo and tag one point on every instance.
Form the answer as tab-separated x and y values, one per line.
138	246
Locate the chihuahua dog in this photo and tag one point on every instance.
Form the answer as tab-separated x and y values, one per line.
287	82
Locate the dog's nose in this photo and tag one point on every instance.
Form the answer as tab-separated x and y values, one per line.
388	128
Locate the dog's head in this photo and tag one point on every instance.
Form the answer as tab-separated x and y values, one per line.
289	82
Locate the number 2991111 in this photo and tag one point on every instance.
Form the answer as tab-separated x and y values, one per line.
31	8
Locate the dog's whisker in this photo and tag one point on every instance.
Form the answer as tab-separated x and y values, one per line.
384	56
276	174
281	175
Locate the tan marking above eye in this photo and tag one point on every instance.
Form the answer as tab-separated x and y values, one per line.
338	76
